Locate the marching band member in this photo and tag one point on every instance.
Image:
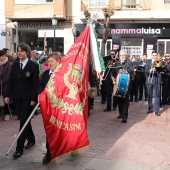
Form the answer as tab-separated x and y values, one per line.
165	72
153	83
108	84
143	78
167	58
123	103
135	82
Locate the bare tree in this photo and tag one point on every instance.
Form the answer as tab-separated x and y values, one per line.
108	12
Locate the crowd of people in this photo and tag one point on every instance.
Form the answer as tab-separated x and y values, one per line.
24	75
145	79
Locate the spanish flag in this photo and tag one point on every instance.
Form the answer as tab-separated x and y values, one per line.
64	103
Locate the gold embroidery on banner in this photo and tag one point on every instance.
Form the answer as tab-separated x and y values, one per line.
75	72
65	126
64	107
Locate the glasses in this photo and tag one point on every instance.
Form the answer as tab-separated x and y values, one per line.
112	54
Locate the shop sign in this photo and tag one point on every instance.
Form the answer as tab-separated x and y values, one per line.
136	31
35	24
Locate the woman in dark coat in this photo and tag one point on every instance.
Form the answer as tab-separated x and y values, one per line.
5	68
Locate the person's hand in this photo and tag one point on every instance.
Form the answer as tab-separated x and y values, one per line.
93	88
122	71
32	103
162	72
110	66
6	100
152	69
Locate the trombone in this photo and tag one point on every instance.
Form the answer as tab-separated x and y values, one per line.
156	64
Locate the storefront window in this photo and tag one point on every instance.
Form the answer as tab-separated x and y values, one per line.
32	1
97	3
167	2
130	3
163	46
133	46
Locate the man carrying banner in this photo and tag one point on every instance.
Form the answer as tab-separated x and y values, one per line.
64	101
53	61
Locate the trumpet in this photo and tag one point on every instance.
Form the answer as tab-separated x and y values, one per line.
156	65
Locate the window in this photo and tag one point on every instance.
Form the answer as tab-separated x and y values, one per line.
33	1
97	3
167	2
163	46
130	3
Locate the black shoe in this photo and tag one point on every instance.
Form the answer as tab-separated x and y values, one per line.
162	106
136	100
106	110
157	113
46	159
91	107
124	121
131	100
17	154
102	102
149	111
119	117
140	98
29	145
146	99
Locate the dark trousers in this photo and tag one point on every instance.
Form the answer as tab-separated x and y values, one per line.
135	88
103	91
48	149
90	103
153	91
164	90
123	105
109	90
24	110
115	101
142	87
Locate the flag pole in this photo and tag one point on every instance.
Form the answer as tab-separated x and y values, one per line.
22	129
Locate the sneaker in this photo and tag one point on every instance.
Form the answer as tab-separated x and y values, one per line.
7	117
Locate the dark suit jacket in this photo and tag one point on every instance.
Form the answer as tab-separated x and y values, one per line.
156	78
23	84
44	81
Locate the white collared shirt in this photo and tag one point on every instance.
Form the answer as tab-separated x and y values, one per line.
50	72
24	63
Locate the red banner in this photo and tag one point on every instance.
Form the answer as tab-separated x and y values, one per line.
64	104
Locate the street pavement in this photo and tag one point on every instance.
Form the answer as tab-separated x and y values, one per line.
143	143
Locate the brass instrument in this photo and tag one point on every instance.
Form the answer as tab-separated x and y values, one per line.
156	64
133	74
111	62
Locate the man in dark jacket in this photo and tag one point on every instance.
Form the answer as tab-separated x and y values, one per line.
22	85
126	67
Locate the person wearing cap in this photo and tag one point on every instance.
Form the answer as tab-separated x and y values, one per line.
5	68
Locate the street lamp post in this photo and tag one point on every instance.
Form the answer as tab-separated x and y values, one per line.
54	23
16	26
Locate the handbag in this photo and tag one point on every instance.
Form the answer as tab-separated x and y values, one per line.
91	94
2	103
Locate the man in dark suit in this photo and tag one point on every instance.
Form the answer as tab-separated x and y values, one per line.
126	67
153	83
22	85
108	84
